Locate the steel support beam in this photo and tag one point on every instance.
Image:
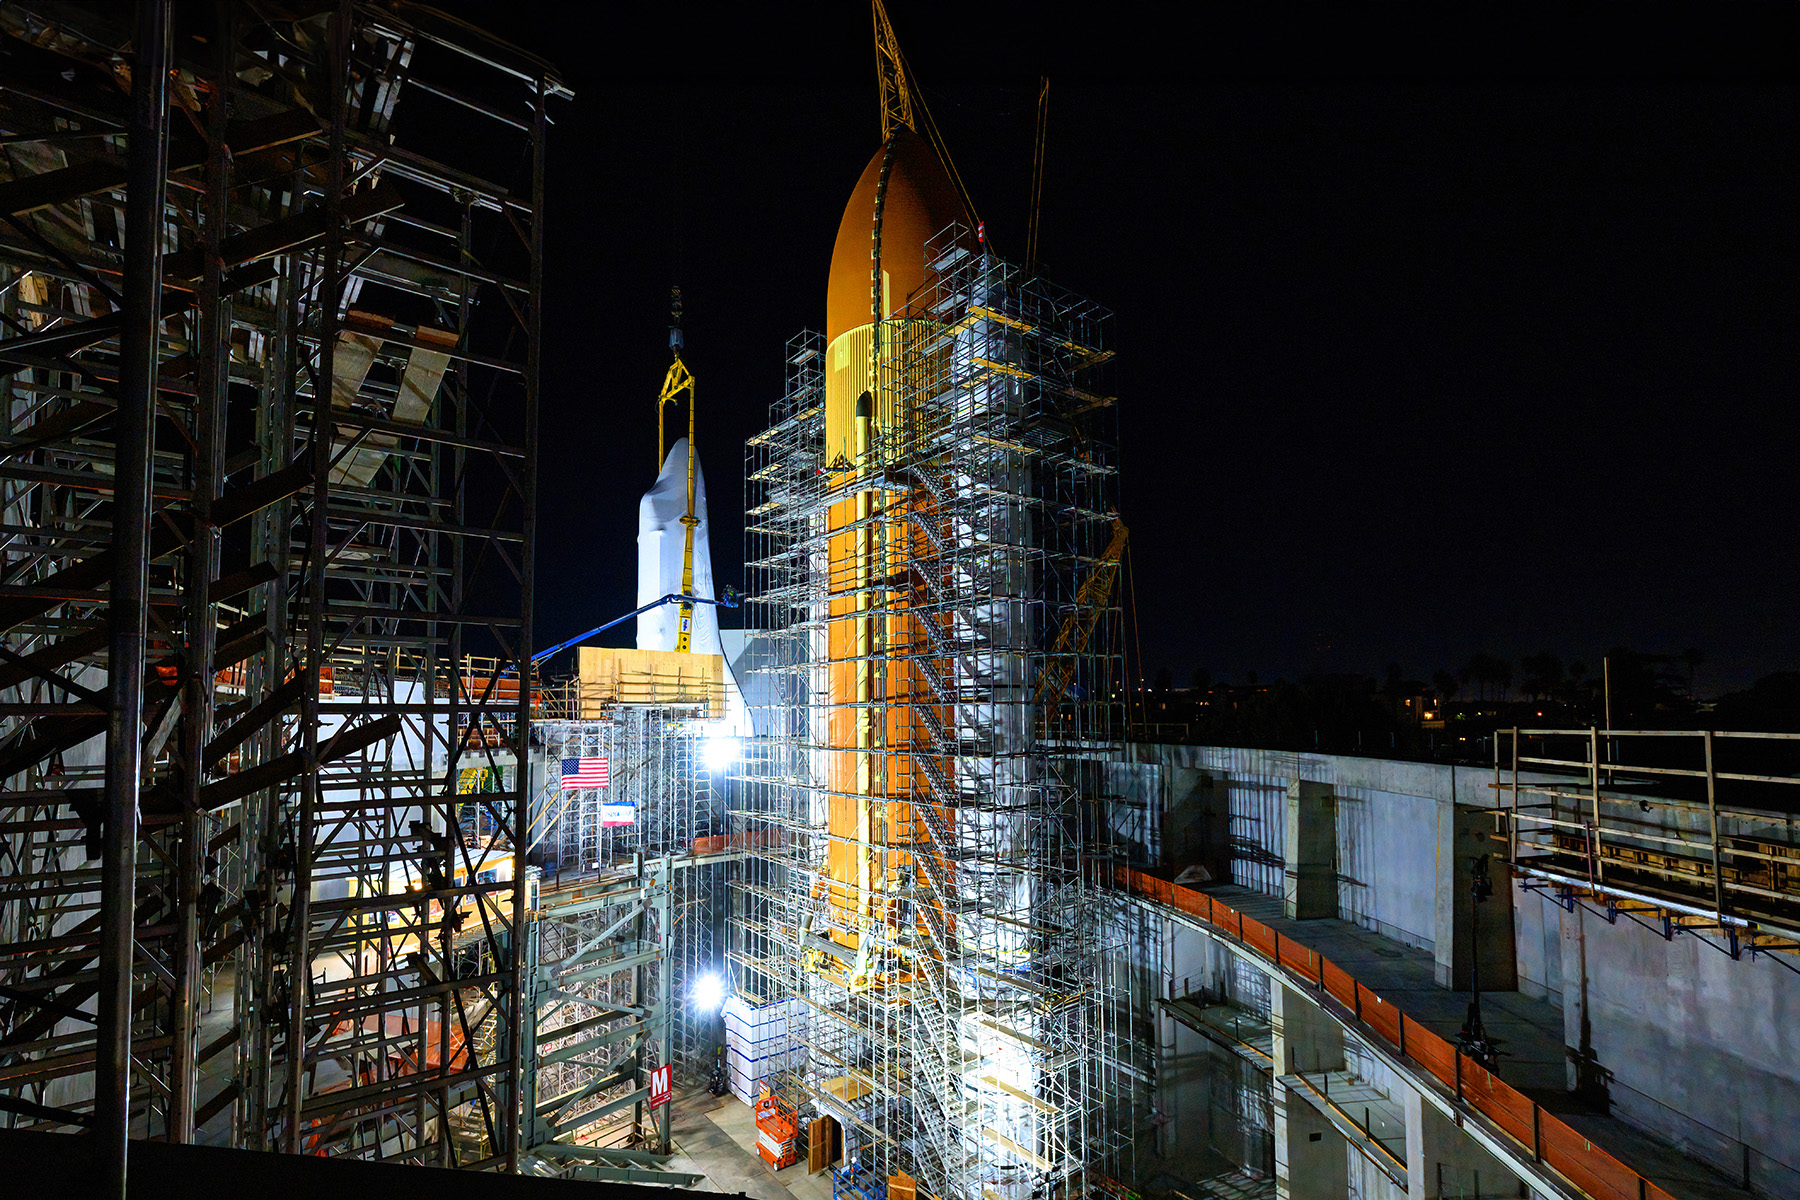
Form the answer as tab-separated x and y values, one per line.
128	612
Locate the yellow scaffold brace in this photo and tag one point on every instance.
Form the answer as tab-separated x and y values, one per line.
677	381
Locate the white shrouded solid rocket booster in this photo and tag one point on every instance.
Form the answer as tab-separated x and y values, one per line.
659	574
659	558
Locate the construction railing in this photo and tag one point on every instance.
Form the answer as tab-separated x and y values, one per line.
1695	825
1548	1140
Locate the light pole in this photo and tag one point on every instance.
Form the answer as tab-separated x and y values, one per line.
1472	1039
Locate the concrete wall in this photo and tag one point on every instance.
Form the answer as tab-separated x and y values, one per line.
1389	814
1216	1112
1685	1041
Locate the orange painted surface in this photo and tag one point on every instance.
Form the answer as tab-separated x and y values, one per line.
873	733
920	202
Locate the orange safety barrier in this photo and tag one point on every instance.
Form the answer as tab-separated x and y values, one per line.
1502	1103
718	843
1430	1051
1584	1164
238	675
499	693
1338	983
1301	960
1378	1014
403	1058
1589	1168
1261	938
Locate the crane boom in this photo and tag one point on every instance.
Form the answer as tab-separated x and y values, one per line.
1037	177
901	107
687	601
890	77
1078	628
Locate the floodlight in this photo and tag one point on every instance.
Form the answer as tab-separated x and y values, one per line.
708	993
719	752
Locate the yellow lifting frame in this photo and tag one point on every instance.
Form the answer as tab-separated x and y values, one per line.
677	381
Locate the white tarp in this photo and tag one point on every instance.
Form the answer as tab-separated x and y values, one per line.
659	573
659	558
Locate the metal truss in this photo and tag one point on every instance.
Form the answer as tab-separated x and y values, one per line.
622	926
269	376
599	986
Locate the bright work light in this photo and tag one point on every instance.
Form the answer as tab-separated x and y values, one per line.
708	993
719	752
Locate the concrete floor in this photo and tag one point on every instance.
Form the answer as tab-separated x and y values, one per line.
716	1136
1529	1033
217	1014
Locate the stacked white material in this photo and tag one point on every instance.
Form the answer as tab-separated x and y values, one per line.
758	1043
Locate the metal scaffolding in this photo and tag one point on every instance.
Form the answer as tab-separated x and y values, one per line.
627	860
269	379
659	803
965	1010
600	990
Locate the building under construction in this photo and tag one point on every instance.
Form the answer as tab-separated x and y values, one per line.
307	847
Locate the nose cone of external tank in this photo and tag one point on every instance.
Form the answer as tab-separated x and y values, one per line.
917	203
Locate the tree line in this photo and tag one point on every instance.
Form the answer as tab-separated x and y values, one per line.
1401	712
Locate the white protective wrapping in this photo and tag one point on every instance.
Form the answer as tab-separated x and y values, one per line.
660	546
659	558
759	1042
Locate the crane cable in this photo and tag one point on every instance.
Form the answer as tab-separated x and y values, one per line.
1137	637
1037	176
677	381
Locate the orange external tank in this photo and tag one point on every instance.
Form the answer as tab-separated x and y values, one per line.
903	199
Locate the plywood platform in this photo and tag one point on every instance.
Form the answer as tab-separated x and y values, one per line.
607	676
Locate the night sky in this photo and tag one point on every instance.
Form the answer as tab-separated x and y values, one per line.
1437	333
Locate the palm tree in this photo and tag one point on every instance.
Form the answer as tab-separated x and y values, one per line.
1692	659
1446	683
1543	674
1486	668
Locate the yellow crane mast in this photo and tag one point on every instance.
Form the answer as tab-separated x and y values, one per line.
1078	628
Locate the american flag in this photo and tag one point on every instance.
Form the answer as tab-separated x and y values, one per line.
583	773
